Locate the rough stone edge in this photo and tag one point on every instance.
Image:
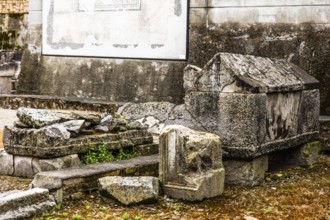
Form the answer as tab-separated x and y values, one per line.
14	199
54	183
265	149
64	103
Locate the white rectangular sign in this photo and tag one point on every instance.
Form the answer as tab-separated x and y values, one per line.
151	29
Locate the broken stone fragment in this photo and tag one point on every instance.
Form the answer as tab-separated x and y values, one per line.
107	120
191	164
102	129
119	123
120	120
25	204
153	124
74	126
105	124
19	124
134	125
93	118
44	138
37	118
130	190
55	131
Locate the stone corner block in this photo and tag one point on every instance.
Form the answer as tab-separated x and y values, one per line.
245	172
6	163
307	154
191	164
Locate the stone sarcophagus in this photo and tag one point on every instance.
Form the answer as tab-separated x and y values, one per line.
261	108
256	105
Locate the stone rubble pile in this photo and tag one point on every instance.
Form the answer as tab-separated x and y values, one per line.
74	122
44	140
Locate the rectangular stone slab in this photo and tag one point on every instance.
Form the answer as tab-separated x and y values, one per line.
63	183
25	142
24	204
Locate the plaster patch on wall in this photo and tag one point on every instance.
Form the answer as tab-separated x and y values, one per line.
153	29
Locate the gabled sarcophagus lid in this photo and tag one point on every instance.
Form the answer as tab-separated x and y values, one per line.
250	73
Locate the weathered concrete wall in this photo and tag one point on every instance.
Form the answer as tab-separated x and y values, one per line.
307	45
297	30
11	43
10	28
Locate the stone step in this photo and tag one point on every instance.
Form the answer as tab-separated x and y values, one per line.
64	183
49	102
24	204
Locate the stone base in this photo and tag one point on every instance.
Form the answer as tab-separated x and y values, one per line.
325	133
303	155
13	165
245	172
210	185
306	154
36	143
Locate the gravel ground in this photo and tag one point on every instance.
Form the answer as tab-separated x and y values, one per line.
297	193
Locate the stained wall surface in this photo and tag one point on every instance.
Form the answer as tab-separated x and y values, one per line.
297	30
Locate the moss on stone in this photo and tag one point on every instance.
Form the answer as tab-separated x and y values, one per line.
312	148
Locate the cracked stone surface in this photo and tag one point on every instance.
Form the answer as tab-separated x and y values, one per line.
34	143
37	118
27	167
130	190
24	204
256	105
191	164
254	74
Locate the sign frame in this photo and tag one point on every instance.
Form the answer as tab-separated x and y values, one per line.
50	47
